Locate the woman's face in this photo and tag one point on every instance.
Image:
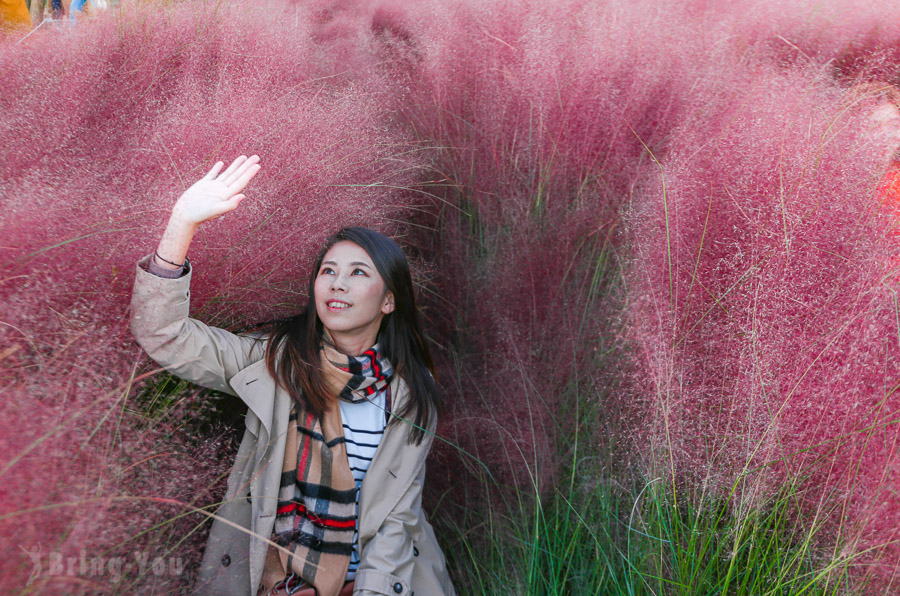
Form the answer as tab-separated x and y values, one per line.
351	297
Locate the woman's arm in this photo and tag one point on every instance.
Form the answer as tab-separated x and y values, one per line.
201	354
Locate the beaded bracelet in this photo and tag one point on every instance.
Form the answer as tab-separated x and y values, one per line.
168	261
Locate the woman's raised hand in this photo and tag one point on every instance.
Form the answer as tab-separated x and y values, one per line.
216	193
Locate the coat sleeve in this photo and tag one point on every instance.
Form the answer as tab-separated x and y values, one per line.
387	560
204	355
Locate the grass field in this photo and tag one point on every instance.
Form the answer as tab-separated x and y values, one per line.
654	244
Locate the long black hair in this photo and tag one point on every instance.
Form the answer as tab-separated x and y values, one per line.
293	351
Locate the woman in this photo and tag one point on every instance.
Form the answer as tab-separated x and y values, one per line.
341	411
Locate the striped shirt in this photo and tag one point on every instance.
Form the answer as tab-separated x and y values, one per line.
363	423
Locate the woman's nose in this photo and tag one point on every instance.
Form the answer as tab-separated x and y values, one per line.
338	283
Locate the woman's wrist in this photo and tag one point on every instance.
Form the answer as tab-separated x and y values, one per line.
154	269
179	225
161	260
164	263
173	247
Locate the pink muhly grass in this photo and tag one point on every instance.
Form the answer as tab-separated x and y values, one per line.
757	304
843	35
544	129
729	175
540	115
766	324
104	126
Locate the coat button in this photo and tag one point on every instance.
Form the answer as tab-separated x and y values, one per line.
226	560
415	552
398	587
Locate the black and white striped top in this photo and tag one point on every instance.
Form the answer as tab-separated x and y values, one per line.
363	423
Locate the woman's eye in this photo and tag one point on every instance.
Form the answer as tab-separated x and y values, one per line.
358	272
326	271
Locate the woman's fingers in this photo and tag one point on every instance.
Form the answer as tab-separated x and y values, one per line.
232	177
232	203
245	177
232	167
214	171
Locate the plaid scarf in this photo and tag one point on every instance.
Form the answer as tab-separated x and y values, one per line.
316	515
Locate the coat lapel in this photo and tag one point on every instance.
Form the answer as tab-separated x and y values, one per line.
267	418
394	467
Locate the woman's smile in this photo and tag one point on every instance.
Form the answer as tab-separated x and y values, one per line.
336	305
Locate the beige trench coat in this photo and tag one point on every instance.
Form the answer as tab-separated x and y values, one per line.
398	549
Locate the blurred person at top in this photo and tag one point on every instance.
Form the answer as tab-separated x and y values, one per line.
86	8
14	15
59	10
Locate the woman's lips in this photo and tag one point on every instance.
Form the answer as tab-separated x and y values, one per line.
336	305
